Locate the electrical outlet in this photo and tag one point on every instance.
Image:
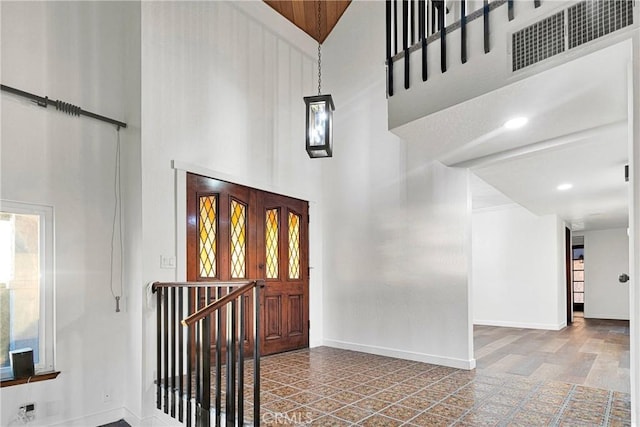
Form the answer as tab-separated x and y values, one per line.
107	396
28	407
27	412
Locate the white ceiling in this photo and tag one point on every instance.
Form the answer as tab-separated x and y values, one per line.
577	133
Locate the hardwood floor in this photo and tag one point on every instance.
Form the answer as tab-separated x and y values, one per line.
590	352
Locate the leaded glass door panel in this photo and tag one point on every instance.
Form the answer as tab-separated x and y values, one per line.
234	233
283	253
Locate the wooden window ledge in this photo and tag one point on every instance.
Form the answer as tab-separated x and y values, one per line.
43	376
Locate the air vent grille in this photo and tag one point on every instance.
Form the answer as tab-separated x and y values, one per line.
590	20
538	41
585	21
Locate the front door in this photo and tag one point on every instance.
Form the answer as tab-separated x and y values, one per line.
236	232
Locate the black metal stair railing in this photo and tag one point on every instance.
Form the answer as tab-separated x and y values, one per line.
188	315
431	30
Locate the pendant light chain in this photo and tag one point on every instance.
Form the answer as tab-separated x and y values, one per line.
319	52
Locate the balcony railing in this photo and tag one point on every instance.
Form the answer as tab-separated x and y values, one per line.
424	22
204	330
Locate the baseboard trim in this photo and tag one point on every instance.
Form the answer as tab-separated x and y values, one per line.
521	325
96	419
403	354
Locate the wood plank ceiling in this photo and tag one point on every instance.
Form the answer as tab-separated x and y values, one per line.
304	14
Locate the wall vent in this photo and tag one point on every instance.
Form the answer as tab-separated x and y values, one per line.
538	41
589	20
585	21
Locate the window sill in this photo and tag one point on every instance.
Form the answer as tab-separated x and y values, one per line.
37	377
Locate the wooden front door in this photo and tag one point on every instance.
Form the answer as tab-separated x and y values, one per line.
234	233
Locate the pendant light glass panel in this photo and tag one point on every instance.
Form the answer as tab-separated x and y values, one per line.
319	119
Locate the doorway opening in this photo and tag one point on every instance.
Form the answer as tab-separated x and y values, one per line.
578	279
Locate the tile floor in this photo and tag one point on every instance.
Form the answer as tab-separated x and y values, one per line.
331	387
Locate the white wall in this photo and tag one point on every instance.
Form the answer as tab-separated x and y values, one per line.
221	95
606	256
396	226
518	269
84	53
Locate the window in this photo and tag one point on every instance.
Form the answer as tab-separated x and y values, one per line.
578	277
26	283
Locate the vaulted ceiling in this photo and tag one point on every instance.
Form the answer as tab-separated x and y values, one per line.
304	14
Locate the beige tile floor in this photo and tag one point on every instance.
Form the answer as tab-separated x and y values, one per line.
330	387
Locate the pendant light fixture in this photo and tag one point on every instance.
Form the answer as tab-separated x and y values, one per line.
319	129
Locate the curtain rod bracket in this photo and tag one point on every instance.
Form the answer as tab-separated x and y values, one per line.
40	102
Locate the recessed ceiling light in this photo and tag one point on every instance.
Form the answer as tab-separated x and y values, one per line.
564	187
516	123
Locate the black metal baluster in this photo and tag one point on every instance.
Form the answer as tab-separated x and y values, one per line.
463	31
241	334
423	34
413	22
485	13
166	351
181	354
174	320
256	353
405	41
434	25
198	344
443	35
159	347
190	355
395	27
510	9
206	364
389	60
218	359
230	413
536	3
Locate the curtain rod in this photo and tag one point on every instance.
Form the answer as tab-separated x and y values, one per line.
65	107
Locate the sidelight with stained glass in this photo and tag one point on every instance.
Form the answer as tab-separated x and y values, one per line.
208	236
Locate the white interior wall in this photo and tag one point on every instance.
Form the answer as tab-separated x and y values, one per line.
518	269
396	226
606	255
221	95
84	53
